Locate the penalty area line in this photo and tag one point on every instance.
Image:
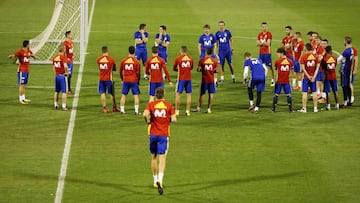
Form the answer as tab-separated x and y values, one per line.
69	134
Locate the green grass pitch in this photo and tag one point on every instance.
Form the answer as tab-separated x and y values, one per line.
228	156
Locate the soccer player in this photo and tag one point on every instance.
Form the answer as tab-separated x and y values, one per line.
183	64
283	65
61	74
319	51
130	76
287	44
106	65
225	43
158	114
207	40
356	64
23	55
141	38
208	67
298	48
162	40
257	79
348	63
264	43
330	61
310	66
68	43
155	66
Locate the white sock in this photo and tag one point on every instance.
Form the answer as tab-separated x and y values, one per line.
328	106
160	177
256	108
352	99
300	83
315	108
251	102
187	111
337	105
222	77
122	109
215	80
21	98
155	178
56	104
136	108
293	82
323	95
209	110
272	80
63	106
232	76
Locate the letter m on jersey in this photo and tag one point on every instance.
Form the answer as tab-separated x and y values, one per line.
208	67
185	64
207	43
160	113
310	63
154	66
129	67
222	40
103	66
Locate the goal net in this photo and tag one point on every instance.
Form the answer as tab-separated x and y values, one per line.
68	15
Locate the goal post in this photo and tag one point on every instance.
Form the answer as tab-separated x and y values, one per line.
67	15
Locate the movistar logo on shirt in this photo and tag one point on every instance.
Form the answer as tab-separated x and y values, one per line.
311	57
129	60
330	60
208	61
155	60
104	60
160	105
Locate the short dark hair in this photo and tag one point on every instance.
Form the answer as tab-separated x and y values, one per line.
206	26
325	40
67	33
61	48
104	49
247	54
281	51
26	43
209	51
310	33
131	49
155	50
288	27
221	21
142	26
308	46
348	40
159	92
163	27
183	48
298	33
328	49
264	23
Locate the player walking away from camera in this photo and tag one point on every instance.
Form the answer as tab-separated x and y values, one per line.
225	44
61	71
141	38
158	114
155	66
208	67
130	76
106	65
69	45
257	79
287	43
329	65
283	65
183	65
310	66
162	40
348	63
207	40
298	49
23	55
264	42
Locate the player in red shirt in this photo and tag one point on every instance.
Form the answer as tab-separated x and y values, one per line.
329	63
207	66
23	55
310	66
283	65
154	66
69	47
130	76
158	114
298	49
355	64
61	71
183	64
264	42
106	65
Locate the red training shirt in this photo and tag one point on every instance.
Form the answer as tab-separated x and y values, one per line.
130	69
105	64
185	64
160	114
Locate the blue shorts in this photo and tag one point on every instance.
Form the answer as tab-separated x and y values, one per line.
225	54
320	76
209	87
70	68
23	78
297	68
153	86
352	78
266	59
306	84
330	85
184	84
159	144
141	54
61	84
258	83
106	85
163	55
134	86
279	87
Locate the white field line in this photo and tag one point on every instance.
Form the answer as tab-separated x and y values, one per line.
66	154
